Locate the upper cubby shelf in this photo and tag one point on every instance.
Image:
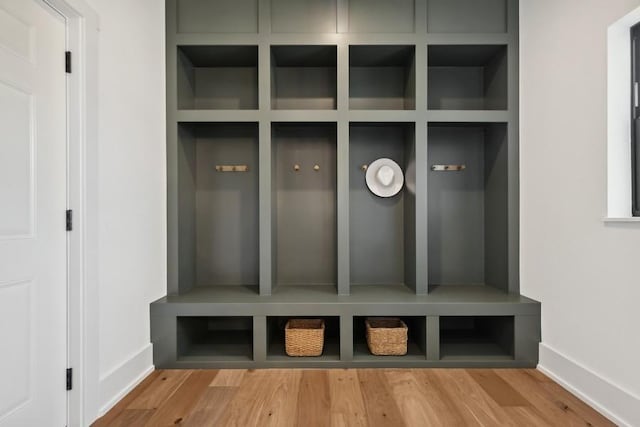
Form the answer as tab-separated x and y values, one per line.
467	77
467	16
303	16
303	77
220	16
382	77
217	77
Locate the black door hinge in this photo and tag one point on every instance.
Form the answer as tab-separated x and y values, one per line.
69	379
67	62
69	220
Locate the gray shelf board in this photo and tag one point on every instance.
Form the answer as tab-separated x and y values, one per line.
330	39
361	353
276	353
365	300
468	38
360	294
382	38
472	116
186	116
295	39
315	116
195	39
383	116
204	355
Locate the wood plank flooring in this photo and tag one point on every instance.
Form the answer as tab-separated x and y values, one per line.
341	397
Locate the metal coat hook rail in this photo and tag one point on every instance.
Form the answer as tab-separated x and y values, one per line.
232	168
448	168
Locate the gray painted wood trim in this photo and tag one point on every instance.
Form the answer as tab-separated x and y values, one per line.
346	302
260	337
172	152
468	116
433	338
346	338
514	146
343	241
265	202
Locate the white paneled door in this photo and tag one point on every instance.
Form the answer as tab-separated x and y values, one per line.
33	240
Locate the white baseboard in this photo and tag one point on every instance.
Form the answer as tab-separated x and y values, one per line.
618	405
115	384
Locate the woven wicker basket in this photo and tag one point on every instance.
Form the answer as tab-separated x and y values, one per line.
386	336
304	337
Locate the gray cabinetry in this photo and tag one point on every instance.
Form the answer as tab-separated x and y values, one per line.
275	109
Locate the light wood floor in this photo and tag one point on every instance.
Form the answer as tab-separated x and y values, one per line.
364	397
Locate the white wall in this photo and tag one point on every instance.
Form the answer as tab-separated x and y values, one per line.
586	273
132	249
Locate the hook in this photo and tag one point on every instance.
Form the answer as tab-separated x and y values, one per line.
296	168
316	168
364	167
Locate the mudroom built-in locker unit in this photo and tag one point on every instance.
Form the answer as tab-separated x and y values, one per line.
279	113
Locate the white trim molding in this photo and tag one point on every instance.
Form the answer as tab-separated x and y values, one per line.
614	402
619	191
116	384
82	196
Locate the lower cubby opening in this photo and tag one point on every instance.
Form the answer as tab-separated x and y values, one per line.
468	204
215	338
416	343
471	338
382	230
276	339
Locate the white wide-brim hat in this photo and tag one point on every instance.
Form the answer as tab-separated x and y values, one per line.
384	178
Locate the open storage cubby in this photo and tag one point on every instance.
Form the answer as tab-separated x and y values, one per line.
218	211
416	343
273	109
468	209
477	338
382	230
467	77
217	77
304	203
215	338
303	77
382	77
467	16
276	338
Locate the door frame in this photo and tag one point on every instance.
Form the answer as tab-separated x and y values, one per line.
82	197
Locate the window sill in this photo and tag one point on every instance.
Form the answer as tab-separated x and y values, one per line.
622	219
